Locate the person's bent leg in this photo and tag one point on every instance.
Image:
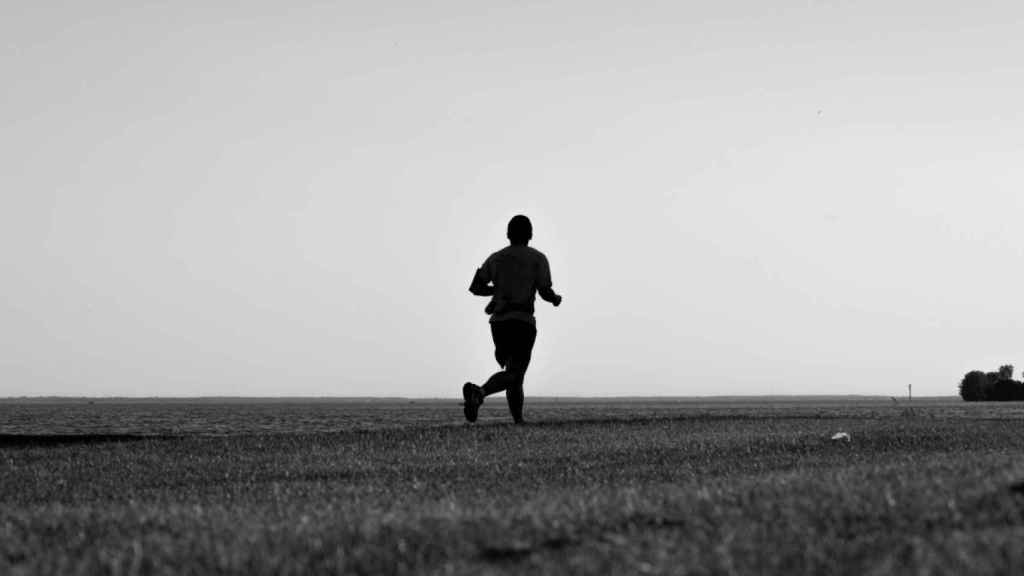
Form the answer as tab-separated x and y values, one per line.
499	381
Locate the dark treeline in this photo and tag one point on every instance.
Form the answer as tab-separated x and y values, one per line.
998	386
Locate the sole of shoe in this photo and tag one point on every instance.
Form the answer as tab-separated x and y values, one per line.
470	403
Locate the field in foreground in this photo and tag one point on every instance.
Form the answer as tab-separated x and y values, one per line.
697	487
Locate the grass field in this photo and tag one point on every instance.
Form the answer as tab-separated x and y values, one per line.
396	487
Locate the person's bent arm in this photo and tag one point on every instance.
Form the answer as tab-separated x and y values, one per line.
544	283
480	286
548	295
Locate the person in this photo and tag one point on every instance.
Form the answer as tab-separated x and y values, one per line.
512	277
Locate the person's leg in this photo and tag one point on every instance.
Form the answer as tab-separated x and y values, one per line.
473	395
502	334
513	347
519	361
499	381
514	396
510	381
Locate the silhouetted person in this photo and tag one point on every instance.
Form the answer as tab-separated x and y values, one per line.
511	277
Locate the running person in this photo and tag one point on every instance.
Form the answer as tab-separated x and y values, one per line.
511	277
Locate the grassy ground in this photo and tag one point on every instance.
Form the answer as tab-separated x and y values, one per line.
587	487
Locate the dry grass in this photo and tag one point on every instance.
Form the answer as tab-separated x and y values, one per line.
589	487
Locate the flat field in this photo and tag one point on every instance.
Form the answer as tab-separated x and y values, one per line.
599	486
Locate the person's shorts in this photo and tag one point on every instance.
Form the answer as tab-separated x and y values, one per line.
513	342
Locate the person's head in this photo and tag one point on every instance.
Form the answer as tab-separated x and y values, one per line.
520	230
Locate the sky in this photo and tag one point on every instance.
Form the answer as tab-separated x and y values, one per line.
290	198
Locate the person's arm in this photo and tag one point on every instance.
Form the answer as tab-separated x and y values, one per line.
544	284
548	295
481	284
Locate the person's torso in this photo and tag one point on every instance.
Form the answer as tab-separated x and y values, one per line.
515	271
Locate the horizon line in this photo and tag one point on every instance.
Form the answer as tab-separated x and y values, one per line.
447	398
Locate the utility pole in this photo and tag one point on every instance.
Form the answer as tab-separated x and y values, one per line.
910	394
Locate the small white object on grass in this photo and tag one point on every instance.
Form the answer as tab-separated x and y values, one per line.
841	436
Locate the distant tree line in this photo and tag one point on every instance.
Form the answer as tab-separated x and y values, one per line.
997	386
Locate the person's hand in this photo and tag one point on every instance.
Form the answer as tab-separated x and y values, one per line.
557	300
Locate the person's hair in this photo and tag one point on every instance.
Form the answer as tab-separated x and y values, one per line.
520	230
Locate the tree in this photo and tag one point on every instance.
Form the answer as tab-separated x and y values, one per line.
974	385
1006	372
1003	391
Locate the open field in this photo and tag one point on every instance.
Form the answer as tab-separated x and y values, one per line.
703	487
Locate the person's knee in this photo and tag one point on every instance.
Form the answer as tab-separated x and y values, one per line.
517	365
516	368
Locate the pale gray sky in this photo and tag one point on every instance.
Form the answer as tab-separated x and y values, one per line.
287	198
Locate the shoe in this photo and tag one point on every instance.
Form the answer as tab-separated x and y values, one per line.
472	398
